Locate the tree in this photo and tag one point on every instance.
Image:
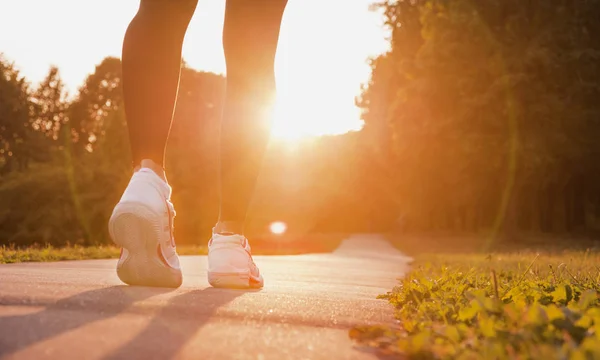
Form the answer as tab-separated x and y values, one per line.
15	132
50	103
487	112
97	97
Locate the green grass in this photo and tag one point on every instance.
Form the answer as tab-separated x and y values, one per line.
10	255
261	245
500	306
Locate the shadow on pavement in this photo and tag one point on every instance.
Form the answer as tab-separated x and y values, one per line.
175	324
55	319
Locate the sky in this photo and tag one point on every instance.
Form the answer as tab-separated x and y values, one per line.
321	62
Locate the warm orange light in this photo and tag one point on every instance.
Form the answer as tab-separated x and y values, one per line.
294	120
278	227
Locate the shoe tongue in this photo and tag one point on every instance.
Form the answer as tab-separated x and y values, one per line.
165	189
224	233
240	238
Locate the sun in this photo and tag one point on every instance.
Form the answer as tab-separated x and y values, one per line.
289	123
299	114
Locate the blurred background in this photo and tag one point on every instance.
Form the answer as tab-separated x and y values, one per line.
421	117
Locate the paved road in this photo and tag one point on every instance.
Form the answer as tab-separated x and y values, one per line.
80	309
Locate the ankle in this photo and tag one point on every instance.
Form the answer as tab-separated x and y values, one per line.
156	168
229	228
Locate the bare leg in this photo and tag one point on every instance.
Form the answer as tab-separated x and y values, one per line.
151	67
250	37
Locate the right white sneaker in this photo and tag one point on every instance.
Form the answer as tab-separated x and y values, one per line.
230	263
142	224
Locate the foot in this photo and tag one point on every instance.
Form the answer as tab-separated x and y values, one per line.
142	224
230	263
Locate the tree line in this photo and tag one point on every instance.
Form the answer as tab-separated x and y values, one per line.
65	160
485	114
482	117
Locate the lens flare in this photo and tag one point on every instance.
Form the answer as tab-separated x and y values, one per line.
278	227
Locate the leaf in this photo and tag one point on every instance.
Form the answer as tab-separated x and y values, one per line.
553	312
363	333
584	322
587	298
559	295
486	325
451	332
479	294
536	314
569	293
470	311
409	325
419	341
578	354
591	346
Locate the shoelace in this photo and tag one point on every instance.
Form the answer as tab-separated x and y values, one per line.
171	209
246	245
172	213
248	249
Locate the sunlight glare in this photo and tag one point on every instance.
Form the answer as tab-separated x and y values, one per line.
278	227
319	68
293	122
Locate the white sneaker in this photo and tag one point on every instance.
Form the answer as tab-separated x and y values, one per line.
230	263
142	224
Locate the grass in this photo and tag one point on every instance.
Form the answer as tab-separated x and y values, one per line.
416	244
504	305
48	253
261	245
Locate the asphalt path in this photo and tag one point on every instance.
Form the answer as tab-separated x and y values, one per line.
81	310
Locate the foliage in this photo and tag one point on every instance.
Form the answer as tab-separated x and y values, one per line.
486	112
59	203
482	116
67	196
49	103
499	306
16	145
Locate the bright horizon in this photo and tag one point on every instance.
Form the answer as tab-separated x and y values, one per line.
321	60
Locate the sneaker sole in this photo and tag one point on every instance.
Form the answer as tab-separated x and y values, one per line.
234	280
144	266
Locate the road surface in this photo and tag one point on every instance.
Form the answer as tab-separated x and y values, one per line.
80	309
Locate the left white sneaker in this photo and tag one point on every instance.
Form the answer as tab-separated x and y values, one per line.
142	224
230	263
